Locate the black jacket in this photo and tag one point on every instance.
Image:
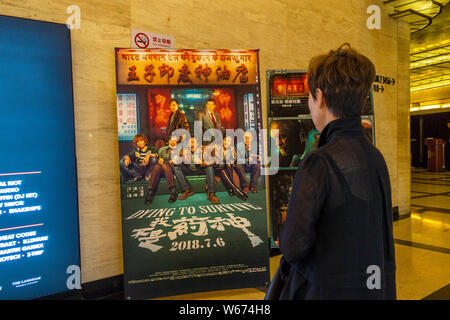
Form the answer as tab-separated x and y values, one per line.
339	218
176	120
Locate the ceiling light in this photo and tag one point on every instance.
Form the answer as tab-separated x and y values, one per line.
435	106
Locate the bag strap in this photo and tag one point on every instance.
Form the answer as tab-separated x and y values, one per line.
339	175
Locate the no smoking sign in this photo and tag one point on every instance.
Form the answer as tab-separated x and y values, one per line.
141	40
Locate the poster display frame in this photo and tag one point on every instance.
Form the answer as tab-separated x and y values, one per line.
181	268
270	118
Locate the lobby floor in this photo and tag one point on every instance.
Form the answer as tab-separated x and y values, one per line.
422	246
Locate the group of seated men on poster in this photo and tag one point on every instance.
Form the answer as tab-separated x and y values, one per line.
147	162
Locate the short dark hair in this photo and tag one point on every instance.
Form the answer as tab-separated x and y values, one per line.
138	137
210	100
345	78
175	101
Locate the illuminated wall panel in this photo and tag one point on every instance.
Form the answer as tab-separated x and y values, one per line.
39	238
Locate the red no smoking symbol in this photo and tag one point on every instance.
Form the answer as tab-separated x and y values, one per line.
141	40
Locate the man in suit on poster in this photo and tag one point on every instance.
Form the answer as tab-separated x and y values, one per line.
210	119
177	119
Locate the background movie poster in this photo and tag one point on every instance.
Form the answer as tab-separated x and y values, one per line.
176	239
288	93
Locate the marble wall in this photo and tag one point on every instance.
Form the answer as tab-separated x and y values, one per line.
287	32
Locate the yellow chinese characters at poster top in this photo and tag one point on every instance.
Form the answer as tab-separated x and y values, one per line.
186	67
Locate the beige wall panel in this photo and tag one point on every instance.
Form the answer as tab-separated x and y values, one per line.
164	17
97	145
51	11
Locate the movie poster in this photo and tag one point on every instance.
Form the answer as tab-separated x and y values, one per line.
369	128
189	224
288	93
297	137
